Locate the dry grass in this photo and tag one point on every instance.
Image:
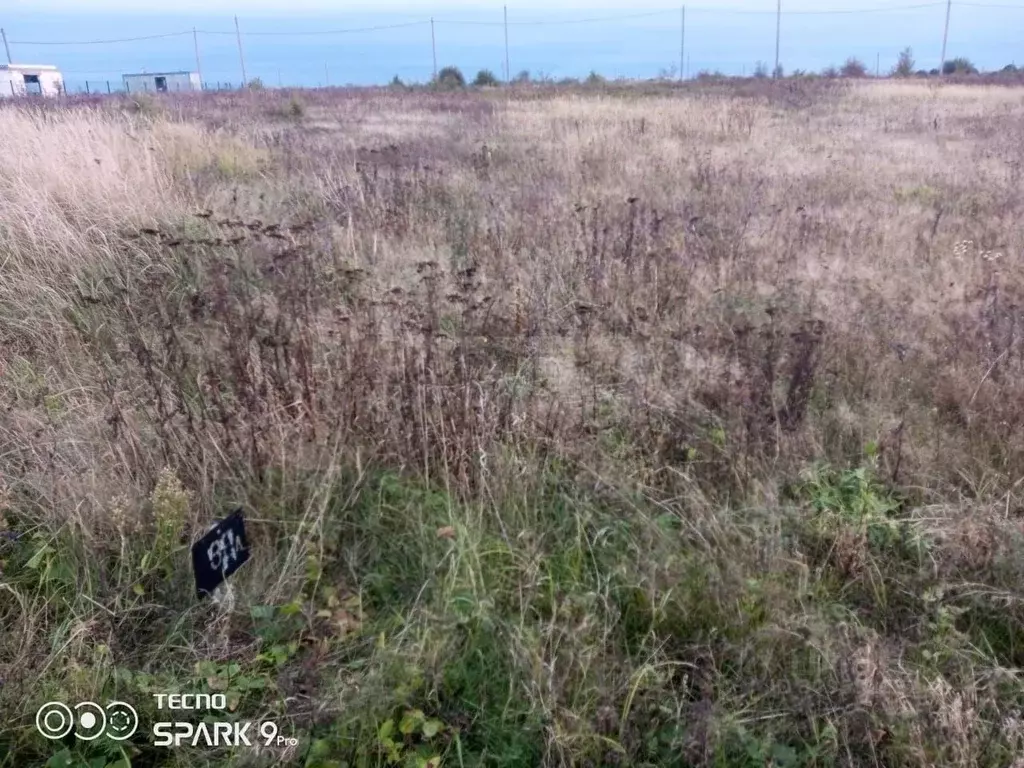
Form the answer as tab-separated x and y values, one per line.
604	427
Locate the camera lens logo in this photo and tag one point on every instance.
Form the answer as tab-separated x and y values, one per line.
54	720
92	721
118	720
122	720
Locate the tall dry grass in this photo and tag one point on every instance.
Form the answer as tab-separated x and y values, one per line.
600	427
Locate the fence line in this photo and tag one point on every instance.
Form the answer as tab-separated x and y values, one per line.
680	12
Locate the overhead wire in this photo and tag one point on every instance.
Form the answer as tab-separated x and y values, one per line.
101	42
521	23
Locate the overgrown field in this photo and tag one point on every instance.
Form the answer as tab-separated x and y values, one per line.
666	427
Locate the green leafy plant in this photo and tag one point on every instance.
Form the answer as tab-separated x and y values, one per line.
408	740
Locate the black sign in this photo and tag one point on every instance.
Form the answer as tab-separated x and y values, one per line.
219	553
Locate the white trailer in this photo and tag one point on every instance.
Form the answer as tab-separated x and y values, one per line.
162	82
30	80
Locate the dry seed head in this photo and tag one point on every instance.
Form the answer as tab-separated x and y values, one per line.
962	248
120	516
170	501
865	671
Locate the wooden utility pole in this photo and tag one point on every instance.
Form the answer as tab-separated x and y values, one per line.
433	46
778	37
3	33
682	47
199	65
241	56
945	37
508	70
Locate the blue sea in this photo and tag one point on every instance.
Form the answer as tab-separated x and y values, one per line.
343	49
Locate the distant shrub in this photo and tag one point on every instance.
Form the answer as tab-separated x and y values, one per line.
522	77
485	78
778	73
1010	69
933	71
959	66
921	73
854	67
594	79
830	71
760	70
904	64
451	77
255	84
396	83
296	108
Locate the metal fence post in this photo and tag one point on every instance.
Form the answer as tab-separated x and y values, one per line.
87	93
108	87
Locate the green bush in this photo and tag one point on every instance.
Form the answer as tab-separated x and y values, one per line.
485	78
854	67
905	64
451	78
959	66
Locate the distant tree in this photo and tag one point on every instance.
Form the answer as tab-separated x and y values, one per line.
778	73
933	71
830	71
594	79
255	84
1009	68
959	66
854	67
396	82
921	73
485	78
904	64
451	77
760	70
522	77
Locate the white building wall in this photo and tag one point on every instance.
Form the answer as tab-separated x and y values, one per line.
12	82
52	83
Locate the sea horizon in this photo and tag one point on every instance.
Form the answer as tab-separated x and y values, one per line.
370	48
